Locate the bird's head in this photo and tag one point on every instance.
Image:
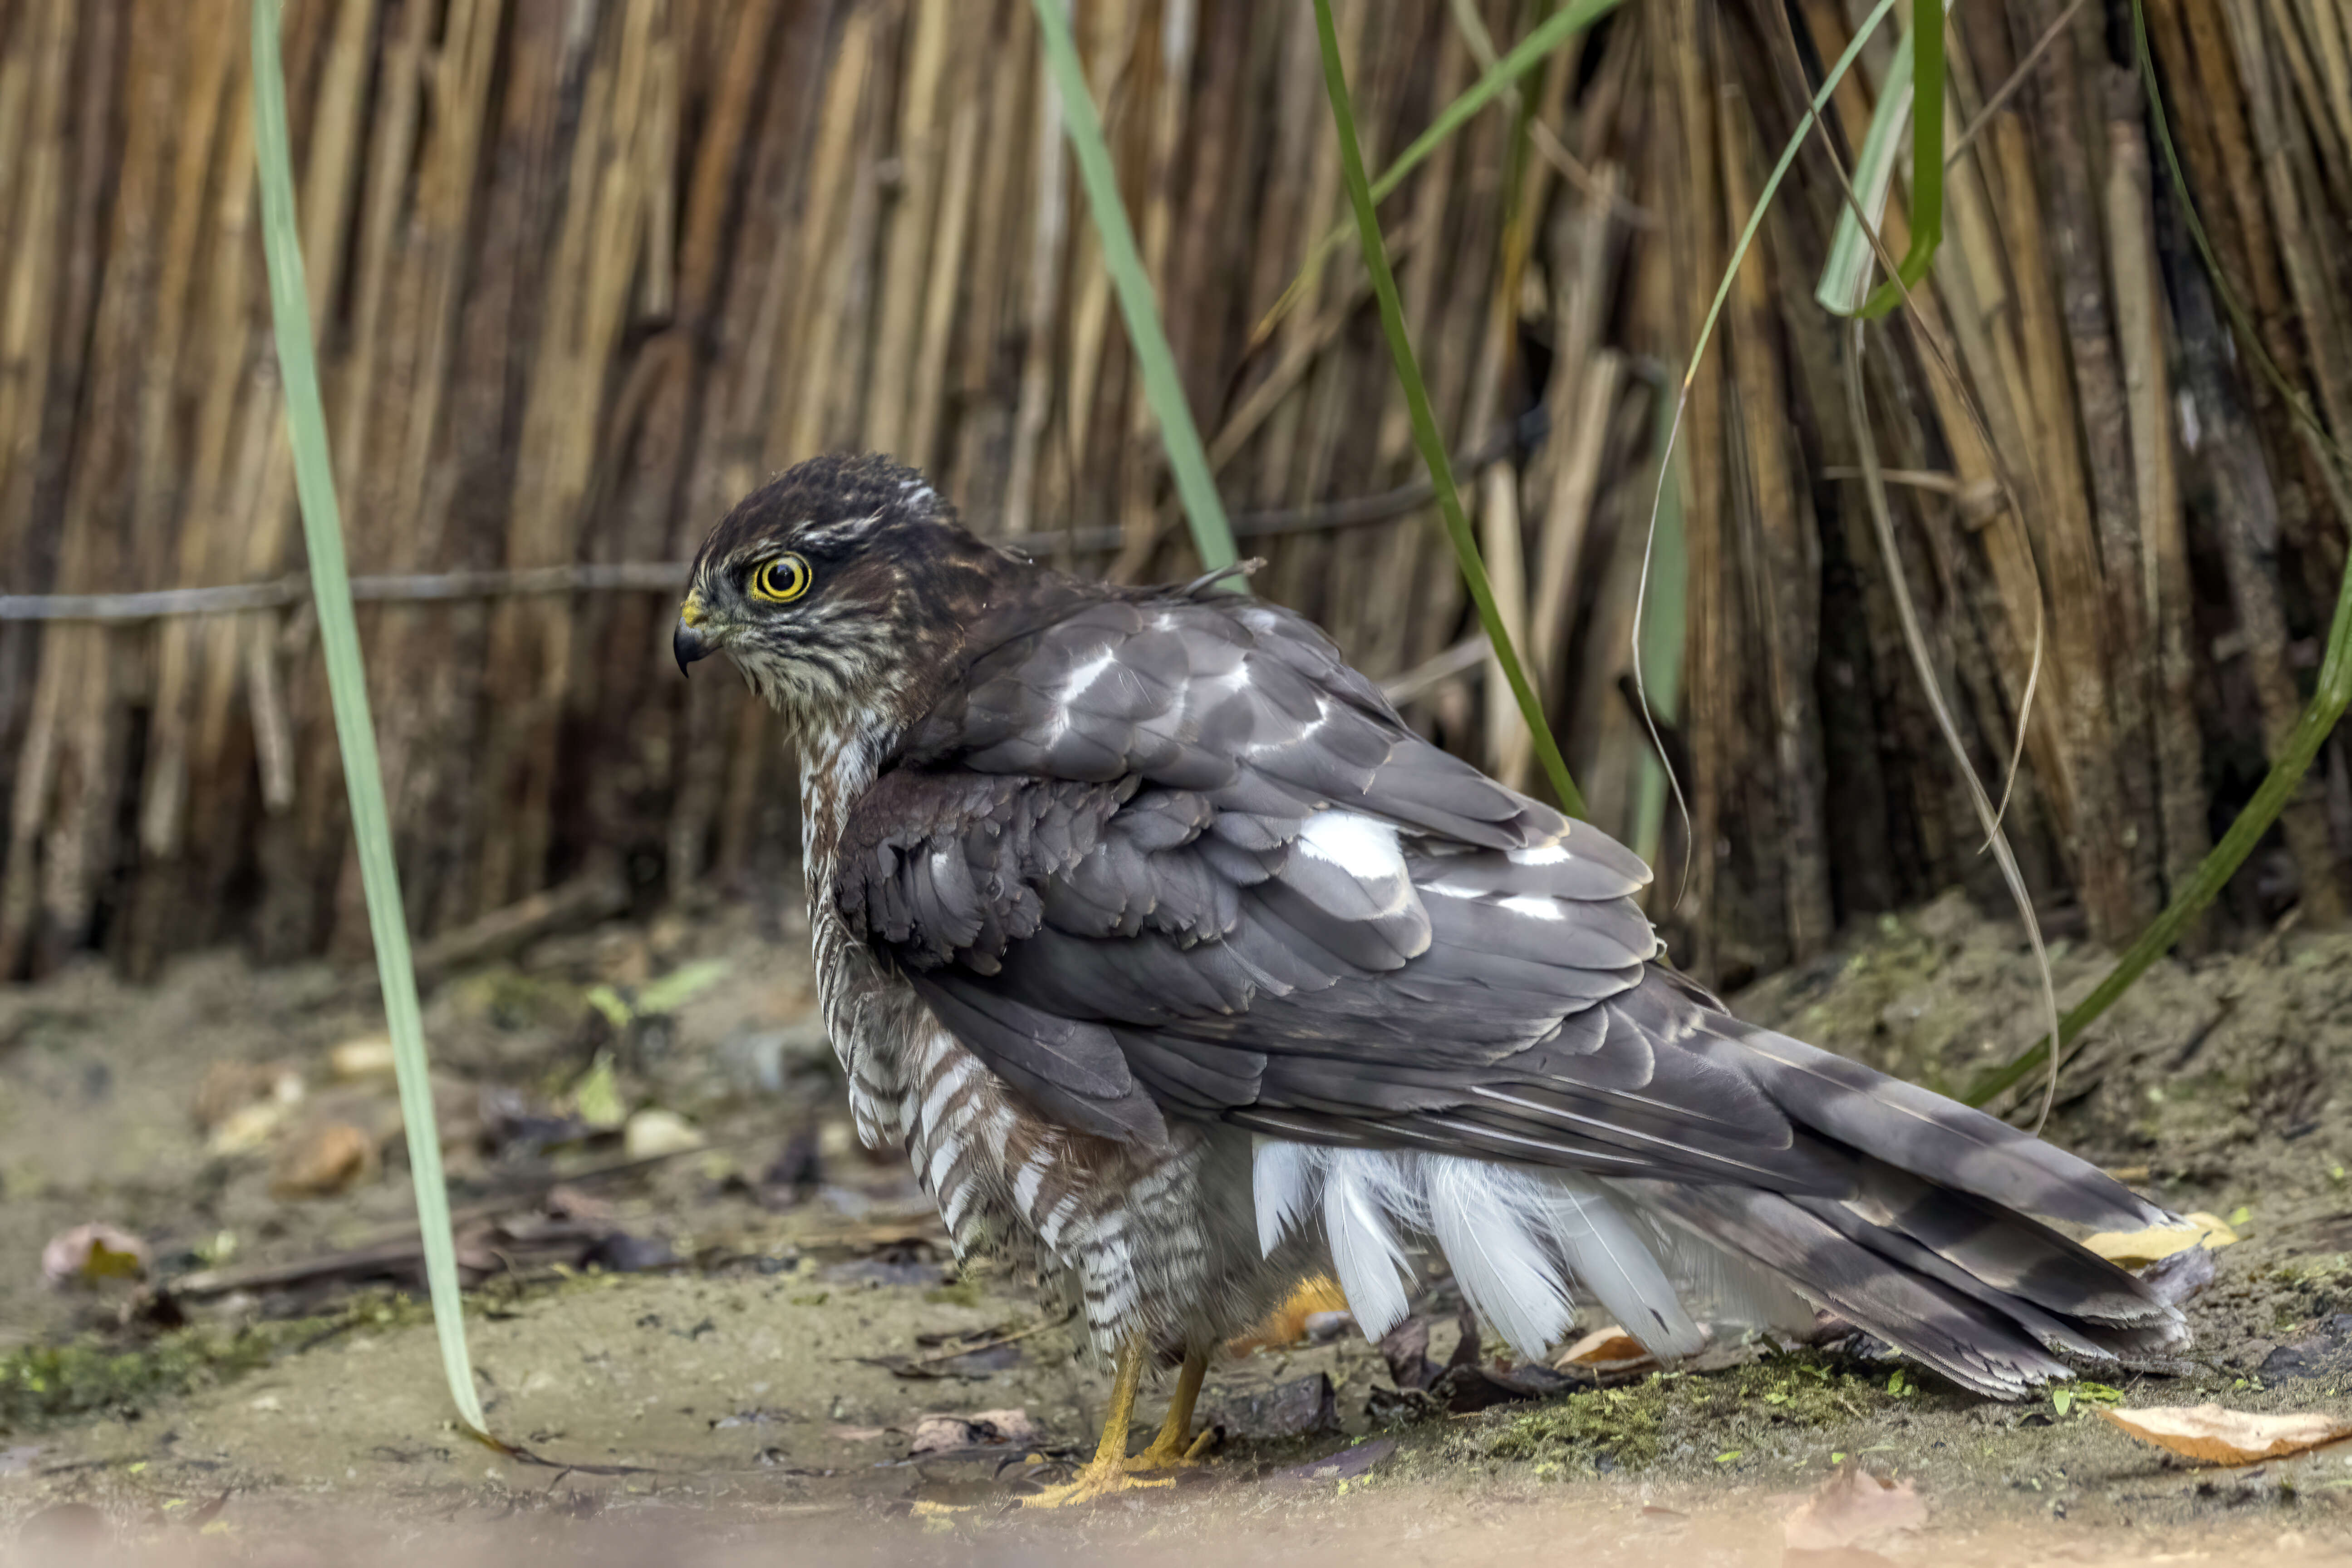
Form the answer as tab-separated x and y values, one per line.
840	588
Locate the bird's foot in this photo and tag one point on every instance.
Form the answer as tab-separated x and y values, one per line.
1111	1470
1099	1478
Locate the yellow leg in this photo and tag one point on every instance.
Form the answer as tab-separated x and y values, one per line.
1176	1445
1109	1472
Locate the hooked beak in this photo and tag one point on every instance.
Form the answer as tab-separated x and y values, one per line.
689	642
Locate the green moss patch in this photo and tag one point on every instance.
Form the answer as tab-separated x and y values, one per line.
1635	1426
43	1384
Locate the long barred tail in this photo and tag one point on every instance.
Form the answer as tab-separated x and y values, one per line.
1934	1250
1931	1247
1979	1293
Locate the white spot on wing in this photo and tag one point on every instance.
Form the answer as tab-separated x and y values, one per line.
1360	845
1533	908
1541	854
1086	675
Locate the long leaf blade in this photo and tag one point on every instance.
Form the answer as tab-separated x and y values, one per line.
1926	157
322	532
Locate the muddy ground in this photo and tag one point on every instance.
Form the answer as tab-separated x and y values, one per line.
729	1352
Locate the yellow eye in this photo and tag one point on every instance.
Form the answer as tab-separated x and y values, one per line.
783	580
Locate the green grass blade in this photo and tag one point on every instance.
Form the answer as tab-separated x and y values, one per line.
1663	630
2329	700
322	531
1918	60
1424	422
1771	187
1845	273
1196	487
1926	157
1531	52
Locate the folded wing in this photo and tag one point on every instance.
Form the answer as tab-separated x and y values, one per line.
1171	857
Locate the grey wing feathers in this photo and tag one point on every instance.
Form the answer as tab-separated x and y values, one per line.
1171	857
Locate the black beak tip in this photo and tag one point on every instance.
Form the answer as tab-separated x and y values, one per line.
688	644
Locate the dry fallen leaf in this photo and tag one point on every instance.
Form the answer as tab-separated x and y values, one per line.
1610	1347
1322	1327
2228	1437
2174	1279
89	1255
1286	1324
229	1087
330	1158
1852	1508
2137	1249
949	1434
565	1201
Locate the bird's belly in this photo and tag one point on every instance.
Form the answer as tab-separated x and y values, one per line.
1161	1240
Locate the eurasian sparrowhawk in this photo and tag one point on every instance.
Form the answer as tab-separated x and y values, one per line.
1185	969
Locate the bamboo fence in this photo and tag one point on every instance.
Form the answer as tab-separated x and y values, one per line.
584	271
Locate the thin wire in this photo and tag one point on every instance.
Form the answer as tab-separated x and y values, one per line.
669	576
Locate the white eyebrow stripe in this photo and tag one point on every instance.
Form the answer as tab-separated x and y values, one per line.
813	535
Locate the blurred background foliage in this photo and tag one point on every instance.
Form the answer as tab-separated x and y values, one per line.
584	271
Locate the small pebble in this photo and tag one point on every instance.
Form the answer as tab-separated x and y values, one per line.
650	1133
